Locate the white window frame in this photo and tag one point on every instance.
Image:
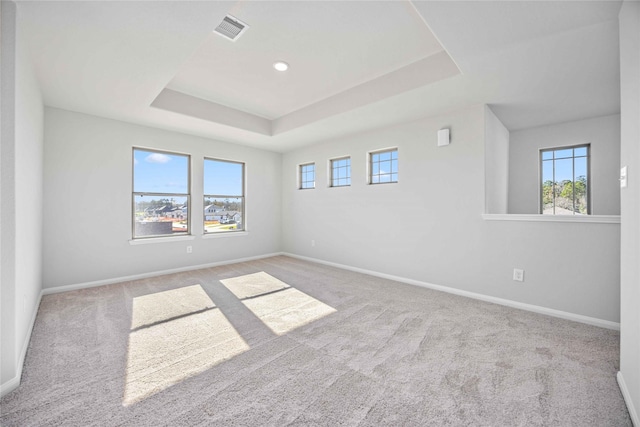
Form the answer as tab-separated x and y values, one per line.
573	157
224	196
331	172
302	174
370	163
135	194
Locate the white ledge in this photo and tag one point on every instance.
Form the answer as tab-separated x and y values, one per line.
224	234
149	240
601	219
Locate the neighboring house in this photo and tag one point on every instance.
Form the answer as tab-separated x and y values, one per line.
167	211
224	217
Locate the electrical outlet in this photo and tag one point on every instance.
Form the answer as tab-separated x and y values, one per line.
189	249
518	275
313	243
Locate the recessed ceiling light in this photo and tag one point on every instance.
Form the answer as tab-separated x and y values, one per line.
281	66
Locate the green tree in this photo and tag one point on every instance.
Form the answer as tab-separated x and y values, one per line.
547	192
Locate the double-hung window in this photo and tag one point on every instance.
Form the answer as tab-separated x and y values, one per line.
160	193
224	204
565	186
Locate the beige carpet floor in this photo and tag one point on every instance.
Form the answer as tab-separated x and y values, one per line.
281	341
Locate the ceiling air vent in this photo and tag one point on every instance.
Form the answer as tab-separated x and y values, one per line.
231	28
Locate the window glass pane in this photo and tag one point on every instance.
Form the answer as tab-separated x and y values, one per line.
564	170
564	154
223	178
547	155
307	176
547	187
223	214
384	167
155	172
581	151
340	172
581	190
157	215
564	184
224	196
564	181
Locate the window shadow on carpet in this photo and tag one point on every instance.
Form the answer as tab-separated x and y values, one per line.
179	333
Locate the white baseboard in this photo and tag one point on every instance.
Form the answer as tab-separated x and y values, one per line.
10	385
627	399
66	288
509	303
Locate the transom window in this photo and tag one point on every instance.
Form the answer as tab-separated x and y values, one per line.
341	172
223	196
564	185
383	166
308	176
160	193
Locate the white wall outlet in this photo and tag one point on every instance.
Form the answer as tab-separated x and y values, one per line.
313	243
518	275
189	249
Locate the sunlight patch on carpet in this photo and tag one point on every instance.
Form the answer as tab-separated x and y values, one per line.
175	335
279	306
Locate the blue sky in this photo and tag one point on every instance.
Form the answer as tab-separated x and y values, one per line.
160	172
156	172
222	178
563	164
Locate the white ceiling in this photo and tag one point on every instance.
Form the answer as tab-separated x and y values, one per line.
330	47
354	65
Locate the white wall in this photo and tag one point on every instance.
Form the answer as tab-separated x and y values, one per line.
603	133
88	179
429	227
496	137
22	165
630	205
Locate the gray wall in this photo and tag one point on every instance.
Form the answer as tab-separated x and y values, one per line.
429	226
604	135
630	200
88	175
496	137
21	215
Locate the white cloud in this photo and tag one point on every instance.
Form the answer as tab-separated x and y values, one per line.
135	161
157	158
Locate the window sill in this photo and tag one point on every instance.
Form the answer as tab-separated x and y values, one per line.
151	240
220	235
600	219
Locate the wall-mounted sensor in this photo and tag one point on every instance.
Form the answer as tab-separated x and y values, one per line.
443	137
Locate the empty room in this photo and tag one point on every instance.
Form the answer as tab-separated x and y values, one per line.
358	213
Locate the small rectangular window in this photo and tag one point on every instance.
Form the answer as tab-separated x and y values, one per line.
224	204
565	182
341	172
307	176
383	166
160	193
